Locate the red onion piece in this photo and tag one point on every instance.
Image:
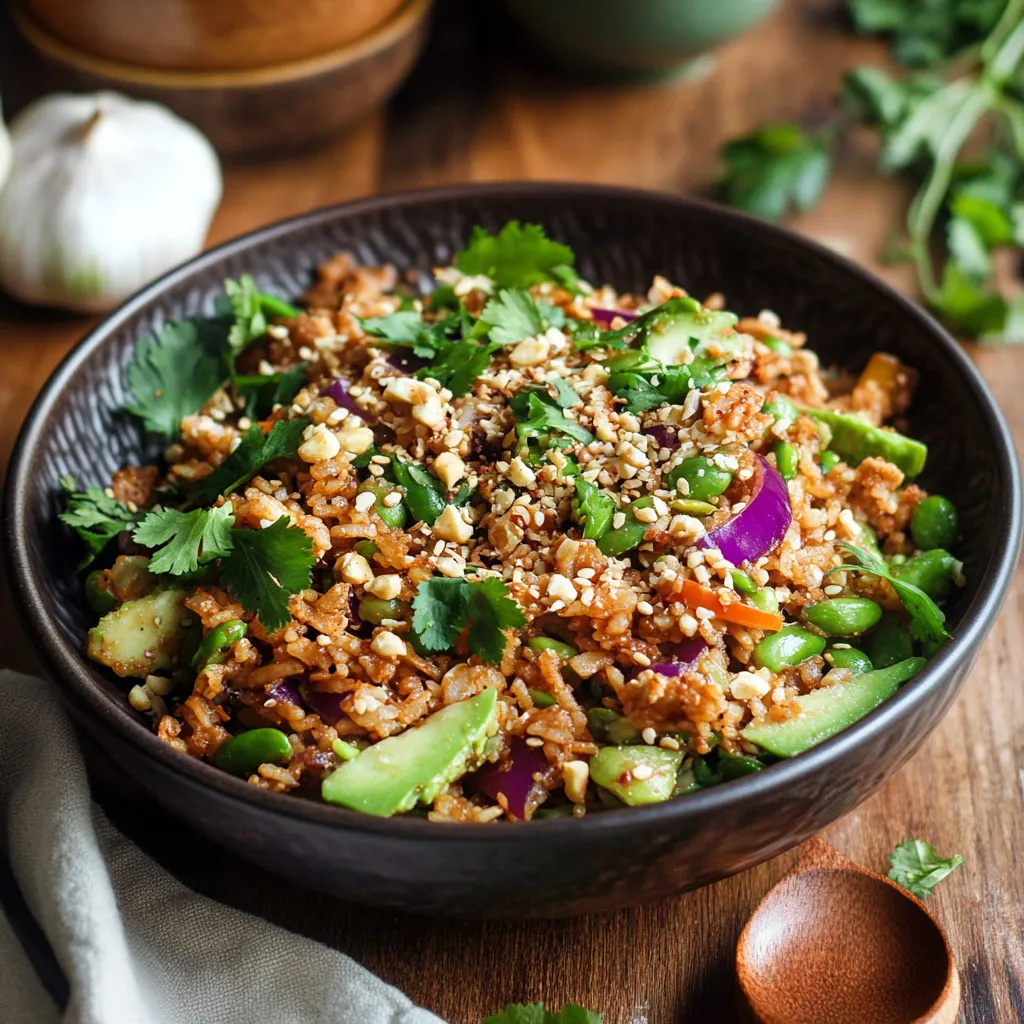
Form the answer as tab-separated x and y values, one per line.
683	657
665	435
406	361
758	528
513	778
286	692
606	316
338	390
326	705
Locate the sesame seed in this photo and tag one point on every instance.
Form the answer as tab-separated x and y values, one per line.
649	736
534	741
644	608
832	589
641	659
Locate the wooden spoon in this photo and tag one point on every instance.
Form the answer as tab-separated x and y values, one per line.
833	943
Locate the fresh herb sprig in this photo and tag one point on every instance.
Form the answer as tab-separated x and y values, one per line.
443	608
918	868
535	1013
174	372
924	120
95	516
519	256
927	622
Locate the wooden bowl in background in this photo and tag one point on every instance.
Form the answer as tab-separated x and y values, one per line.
209	35
247	112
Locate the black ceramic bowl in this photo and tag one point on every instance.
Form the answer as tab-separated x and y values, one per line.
551	867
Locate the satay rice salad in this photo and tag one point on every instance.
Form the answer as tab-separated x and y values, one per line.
519	547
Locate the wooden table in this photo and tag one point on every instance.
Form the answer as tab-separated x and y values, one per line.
484	112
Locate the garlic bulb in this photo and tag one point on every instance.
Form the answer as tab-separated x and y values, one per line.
5	151
105	193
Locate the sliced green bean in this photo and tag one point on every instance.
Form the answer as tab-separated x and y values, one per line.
849	658
542	699
888	643
787	458
97	597
932	571
704	479
618	540
543	643
828	460
394	516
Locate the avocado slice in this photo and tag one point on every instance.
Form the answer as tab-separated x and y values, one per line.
141	636
392	775
831	709
856	440
615	769
668	339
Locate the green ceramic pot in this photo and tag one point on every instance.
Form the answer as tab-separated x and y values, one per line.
635	38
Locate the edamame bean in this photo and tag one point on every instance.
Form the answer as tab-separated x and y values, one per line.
888	643
766	599
828	461
544	643
851	659
787	458
244	753
932	571
778	346
376	609
781	409
367	548
790	646
843	616
97	597
704	479
390	515
542	699
934	523
217	644
619	540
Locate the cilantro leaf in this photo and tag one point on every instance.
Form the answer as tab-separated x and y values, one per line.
587	334
927	622
407	328
520	255
967	307
918	868
250	321
94	516
171	375
776	167
189	539
443	608
261	392
424	493
537	413
534	1013
491	612
459	365
566	395
512	316
593	508
266	567
253	452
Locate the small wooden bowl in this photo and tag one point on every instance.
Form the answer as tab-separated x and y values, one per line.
247	112
209	35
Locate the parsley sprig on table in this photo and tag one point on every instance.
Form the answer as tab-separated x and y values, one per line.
443	608
534	1013
924	121
918	868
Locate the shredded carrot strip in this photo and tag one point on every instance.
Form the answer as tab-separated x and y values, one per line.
696	596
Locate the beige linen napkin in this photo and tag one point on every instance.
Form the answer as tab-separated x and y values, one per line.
136	946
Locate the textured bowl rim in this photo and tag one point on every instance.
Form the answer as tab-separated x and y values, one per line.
67	665
400	24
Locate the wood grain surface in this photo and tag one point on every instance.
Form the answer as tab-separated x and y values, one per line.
482	107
